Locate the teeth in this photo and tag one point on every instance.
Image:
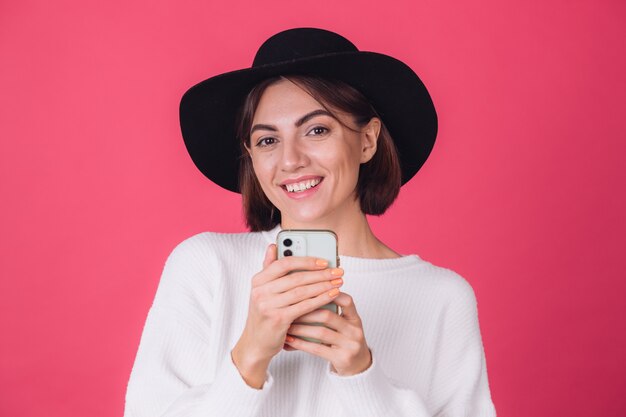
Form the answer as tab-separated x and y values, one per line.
301	186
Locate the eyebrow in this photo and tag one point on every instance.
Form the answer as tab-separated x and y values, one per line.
299	122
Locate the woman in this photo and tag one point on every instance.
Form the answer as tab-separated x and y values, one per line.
327	134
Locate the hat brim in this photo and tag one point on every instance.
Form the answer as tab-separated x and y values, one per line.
209	109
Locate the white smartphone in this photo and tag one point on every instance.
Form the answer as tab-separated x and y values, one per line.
317	243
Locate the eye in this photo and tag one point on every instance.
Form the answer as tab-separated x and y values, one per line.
266	141
318	131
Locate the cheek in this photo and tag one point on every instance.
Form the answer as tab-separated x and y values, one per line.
264	171
349	160
260	166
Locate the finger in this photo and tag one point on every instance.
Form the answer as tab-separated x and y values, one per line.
308	305
322	333
270	255
346	303
298	294
296	279
282	267
326	317
330	340
351	330
316	349
287	347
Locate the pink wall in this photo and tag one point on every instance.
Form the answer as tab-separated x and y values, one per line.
521	194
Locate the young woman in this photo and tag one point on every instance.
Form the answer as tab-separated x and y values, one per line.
315	136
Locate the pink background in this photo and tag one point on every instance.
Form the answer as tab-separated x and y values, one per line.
523	194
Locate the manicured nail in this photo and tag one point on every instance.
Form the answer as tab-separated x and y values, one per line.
337	281
334	292
336	272
290	339
321	262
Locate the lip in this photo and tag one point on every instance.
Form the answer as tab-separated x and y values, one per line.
299	179
301	194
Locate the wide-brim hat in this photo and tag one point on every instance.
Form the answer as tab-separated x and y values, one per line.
208	110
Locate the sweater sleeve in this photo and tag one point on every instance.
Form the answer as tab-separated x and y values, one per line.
175	373
459	385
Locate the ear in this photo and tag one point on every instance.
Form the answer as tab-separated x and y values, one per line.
248	149
369	139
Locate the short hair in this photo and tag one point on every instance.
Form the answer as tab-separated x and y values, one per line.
379	179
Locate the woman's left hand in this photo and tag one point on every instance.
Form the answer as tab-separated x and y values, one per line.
343	342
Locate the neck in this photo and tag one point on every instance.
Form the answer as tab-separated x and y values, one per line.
354	236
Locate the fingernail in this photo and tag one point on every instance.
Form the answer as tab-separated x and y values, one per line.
321	262
334	292
336	272
336	281
290	339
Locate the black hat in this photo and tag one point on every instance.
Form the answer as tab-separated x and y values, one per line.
208	110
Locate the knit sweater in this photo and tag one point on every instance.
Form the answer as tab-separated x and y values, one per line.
420	322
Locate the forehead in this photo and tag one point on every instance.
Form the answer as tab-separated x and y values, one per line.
284	100
287	101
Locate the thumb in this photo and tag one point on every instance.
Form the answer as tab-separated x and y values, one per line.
270	255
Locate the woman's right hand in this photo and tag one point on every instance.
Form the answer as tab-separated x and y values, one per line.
277	298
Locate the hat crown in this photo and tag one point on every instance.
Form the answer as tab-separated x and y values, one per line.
294	44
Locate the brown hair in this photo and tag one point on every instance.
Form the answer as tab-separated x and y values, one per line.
379	179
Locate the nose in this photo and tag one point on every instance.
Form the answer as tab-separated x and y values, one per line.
293	156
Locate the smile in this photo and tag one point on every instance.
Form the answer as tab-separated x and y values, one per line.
298	187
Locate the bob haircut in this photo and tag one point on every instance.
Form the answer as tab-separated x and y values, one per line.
379	179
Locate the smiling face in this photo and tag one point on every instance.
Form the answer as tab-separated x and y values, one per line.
307	161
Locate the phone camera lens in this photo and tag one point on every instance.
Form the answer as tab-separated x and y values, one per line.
287	242
288	252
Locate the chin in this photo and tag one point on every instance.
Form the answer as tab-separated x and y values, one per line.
304	218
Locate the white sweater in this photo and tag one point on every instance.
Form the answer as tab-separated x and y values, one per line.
420	323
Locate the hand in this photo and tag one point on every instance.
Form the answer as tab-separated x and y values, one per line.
277	298
343	343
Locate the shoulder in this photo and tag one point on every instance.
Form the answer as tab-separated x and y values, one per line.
198	265
203	253
212	246
447	285
206	240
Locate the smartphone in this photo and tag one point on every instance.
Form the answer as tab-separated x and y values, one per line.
317	243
